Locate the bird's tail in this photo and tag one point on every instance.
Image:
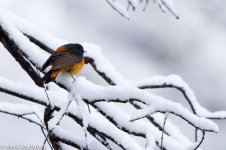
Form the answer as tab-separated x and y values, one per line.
47	78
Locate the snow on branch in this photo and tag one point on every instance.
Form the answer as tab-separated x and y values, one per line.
95	108
95	119
29	113
124	94
198	122
123	7
174	81
108	72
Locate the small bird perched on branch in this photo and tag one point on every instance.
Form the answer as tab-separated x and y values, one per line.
68	57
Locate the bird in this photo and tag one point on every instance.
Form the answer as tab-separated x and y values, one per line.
68	57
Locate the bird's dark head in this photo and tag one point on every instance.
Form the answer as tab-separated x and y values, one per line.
75	48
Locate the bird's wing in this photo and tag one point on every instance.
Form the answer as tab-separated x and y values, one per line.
64	59
49	61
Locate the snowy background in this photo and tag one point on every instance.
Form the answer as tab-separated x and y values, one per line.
149	44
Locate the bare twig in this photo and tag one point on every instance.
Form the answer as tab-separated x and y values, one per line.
116	9
170	10
203	137
23	117
50	102
43	132
164	124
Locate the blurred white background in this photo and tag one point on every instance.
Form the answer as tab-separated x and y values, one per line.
149	44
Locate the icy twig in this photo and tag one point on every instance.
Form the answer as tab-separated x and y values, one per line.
118	8
164	124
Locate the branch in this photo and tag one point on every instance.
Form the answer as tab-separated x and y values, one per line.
56	135
150	118
4	108
76	118
185	91
40	44
100	73
123	11
170	9
67	141
118	8
22	91
166	85
188	119
15	51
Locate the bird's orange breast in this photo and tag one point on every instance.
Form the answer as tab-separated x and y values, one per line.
76	68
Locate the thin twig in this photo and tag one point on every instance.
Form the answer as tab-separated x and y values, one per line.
146	4
61	117
50	102
72	77
164	124
47	140
117	10
170	10
196	134
203	137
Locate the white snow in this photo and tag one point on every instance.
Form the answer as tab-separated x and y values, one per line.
29	112
33	52
199	122
52	123
19	109
79	140
177	81
36	93
26	27
83	89
103	64
84	113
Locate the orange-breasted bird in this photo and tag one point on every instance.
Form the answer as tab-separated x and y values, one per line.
68	58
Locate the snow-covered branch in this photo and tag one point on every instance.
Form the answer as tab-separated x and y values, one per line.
123	7
33	115
95	108
22	111
14	50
